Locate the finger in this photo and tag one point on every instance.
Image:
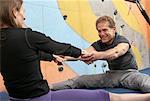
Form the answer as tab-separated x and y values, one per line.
89	58
88	62
87	55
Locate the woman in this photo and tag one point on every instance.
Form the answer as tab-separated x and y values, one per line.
20	65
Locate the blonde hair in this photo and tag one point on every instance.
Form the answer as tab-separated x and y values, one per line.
6	12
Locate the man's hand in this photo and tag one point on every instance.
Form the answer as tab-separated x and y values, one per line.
91	57
86	57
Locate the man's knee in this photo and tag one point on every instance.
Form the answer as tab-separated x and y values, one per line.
145	85
137	80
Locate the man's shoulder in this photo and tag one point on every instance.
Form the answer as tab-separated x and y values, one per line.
121	38
98	42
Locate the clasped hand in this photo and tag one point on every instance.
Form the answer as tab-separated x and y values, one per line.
89	57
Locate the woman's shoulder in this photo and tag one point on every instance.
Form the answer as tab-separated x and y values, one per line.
14	29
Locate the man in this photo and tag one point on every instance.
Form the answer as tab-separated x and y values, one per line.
116	50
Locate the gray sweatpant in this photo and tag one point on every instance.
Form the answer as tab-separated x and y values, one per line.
131	79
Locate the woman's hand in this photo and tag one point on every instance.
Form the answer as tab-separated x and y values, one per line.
59	58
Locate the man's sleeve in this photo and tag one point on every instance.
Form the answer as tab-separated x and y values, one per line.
96	45
122	39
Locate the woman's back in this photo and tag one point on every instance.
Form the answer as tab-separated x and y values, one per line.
20	65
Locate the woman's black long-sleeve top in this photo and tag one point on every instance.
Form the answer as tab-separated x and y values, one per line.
20	60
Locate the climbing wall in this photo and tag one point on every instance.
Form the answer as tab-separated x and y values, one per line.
73	21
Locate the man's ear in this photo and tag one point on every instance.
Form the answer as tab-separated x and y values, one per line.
115	29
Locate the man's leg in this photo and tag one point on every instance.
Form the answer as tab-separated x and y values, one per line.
109	79
136	80
68	84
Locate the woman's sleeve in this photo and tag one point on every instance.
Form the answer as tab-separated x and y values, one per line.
46	56
43	43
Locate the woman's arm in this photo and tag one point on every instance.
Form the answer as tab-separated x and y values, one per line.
43	43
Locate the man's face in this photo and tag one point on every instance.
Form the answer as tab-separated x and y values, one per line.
106	33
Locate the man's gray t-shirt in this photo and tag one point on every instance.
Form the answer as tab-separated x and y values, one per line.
124	62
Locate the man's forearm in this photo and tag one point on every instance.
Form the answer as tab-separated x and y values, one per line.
115	52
